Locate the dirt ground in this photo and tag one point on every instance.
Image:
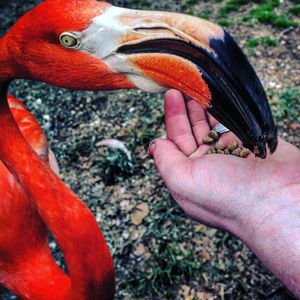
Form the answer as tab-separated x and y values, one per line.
158	252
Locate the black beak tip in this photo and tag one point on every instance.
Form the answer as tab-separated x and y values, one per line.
272	140
266	141
242	102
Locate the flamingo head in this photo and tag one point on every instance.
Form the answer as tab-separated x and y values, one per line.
92	45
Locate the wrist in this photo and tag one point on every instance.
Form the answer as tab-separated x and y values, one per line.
275	215
272	231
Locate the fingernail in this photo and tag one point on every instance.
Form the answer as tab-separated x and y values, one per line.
151	147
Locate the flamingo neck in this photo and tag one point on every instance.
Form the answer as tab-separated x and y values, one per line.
72	224
36	278
6	70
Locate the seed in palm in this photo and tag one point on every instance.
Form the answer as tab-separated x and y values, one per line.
219	148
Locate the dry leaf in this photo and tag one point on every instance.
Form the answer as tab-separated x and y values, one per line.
205	254
141	212
185	290
200	228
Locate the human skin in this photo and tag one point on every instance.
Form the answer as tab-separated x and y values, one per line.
256	200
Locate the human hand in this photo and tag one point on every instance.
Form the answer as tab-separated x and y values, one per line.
220	190
257	200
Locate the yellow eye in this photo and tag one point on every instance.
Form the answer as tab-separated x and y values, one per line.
69	41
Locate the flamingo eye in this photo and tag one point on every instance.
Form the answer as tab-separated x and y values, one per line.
69	40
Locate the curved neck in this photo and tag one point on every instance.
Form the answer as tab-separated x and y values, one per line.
36	278
6	71
70	221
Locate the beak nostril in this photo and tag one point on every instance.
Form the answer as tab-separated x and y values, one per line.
160	31
155	32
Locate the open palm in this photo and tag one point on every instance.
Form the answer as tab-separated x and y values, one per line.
220	190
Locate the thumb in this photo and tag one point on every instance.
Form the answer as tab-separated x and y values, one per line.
169	160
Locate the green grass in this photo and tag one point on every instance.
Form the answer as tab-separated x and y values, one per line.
187	5
229	7
170	265
115	166
264	41
270	17
191	2
205	14
234	5
283	21
264	12
170	262
223	22
252	43
295	10
287	105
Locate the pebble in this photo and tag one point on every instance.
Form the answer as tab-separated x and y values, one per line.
232	146
208	140
244	152
214	135
219	146
236	152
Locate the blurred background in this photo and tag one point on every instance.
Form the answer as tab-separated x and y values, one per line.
159	253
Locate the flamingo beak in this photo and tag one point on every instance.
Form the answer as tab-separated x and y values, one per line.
159	50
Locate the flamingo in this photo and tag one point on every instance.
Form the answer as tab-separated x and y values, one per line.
91	45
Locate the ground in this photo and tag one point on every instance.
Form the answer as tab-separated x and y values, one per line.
160	253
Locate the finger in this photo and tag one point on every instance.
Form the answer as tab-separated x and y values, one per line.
169	160
178	125
212	121
198	120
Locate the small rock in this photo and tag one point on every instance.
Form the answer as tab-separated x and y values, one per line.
208	140
219	146
244	153
226	151
236	152
214	135
220	152
125	205
211	232
232	146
